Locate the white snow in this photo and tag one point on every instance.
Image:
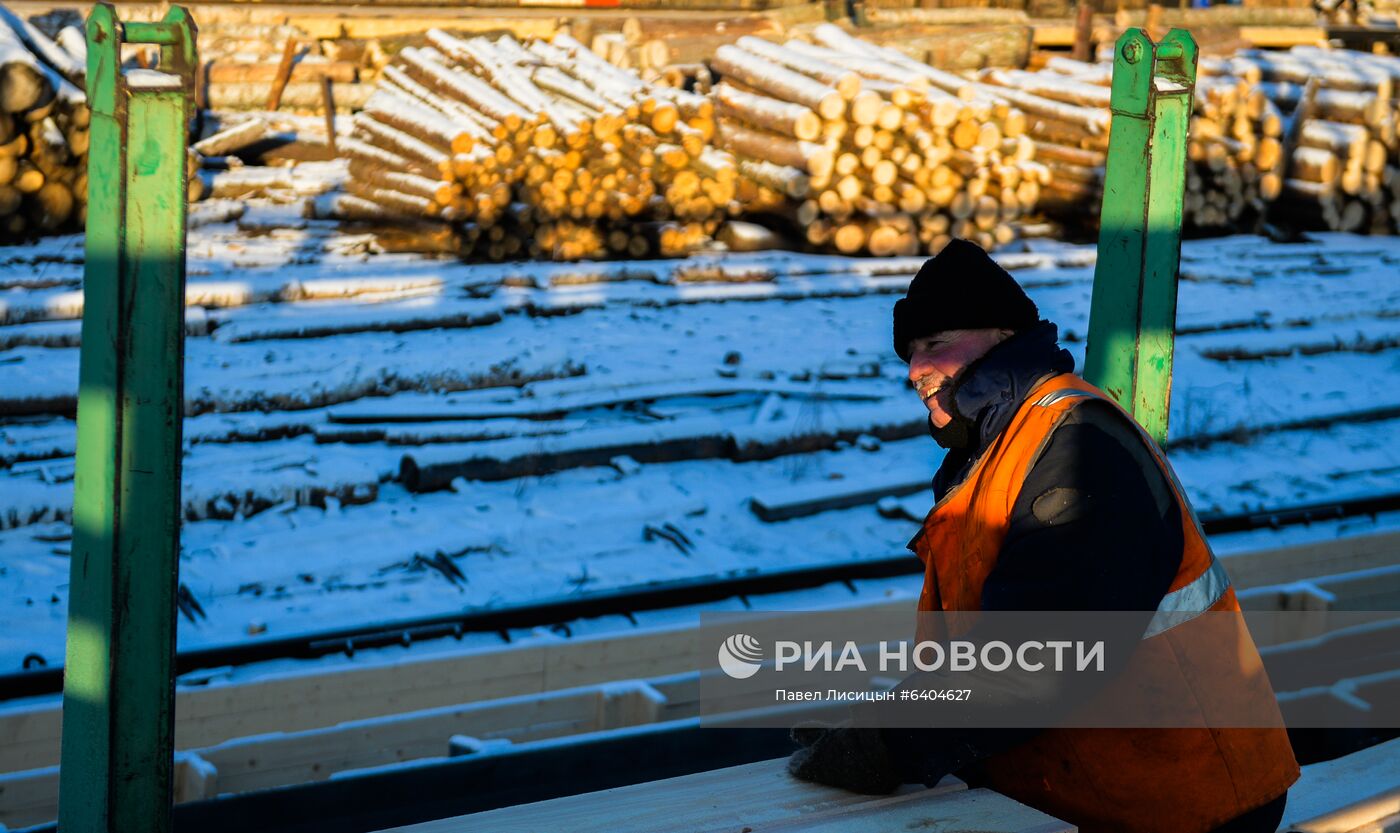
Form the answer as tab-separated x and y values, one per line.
326	363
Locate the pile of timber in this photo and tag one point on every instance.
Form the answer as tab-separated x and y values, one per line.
867	150
277	67
1234	154
536	149
656	45
245	84
1344	169
1378	13
545	149
43	129
1336	169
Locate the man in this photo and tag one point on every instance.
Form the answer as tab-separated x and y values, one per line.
1051	498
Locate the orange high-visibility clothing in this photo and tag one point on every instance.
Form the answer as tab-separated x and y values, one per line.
1135	780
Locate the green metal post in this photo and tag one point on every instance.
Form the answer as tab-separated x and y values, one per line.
1133	317
119	693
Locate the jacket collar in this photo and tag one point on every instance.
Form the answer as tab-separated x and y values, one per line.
992	388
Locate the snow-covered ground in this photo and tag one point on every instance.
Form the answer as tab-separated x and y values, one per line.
314	367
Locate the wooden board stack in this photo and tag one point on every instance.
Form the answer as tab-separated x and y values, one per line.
876	152
43	129
536	149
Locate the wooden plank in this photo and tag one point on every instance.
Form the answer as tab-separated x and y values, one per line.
394	26
1361	649
984	811
999	46
1311	600
228	72
298	95
1283	37
1259	568
320	697
206	716
31	797
265	761
1344	794
195	778
725	799
682	695
281	759
1052	35
1377	588
283	73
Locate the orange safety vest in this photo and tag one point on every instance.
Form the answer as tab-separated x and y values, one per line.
1177	780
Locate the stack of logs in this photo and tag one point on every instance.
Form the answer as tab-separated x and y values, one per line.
997	143
536	149
1234	152
874	152
241	64
43	129
543	148
1377	13
1344	172
1336	170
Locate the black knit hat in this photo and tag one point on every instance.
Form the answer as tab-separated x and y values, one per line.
961	288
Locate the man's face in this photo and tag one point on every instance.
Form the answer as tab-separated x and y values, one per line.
935	361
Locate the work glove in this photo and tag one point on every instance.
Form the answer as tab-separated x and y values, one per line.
845	756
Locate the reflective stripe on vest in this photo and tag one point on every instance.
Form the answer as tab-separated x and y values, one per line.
1064	393
1181	606
1188	602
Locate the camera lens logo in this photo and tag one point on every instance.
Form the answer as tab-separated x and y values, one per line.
740	656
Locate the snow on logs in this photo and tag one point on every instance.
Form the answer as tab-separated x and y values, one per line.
1341	171
871	152
540	149
43	132
543	148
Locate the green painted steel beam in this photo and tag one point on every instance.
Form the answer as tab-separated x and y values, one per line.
1132	320
119	692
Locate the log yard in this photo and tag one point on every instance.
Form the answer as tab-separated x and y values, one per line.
700	416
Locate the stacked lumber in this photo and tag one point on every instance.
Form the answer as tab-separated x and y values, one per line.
251	58
874	151
653	45
1378	13
1344	172
1234	153
535	149
1335	170
43	130
544	148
